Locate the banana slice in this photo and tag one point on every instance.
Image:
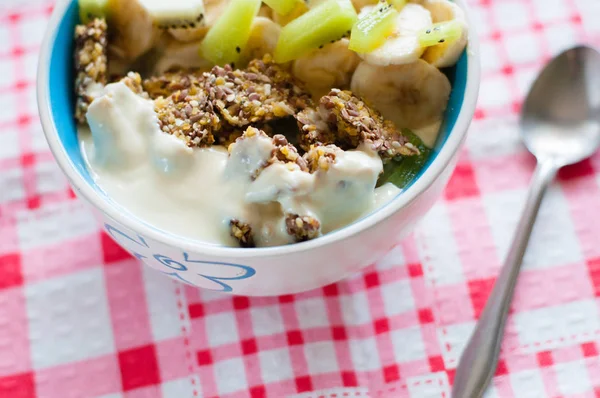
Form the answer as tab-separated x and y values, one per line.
189	34
402	47
263	39
428	134
183	19
132	29
446	54
175	55
329	67
412	95
175	13
213	10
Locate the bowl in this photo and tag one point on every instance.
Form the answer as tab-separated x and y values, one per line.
257	271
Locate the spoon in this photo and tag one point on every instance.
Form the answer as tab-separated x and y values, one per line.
560	125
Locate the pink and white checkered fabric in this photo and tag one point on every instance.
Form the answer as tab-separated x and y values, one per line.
79	318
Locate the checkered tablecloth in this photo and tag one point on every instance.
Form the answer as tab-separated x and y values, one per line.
80	318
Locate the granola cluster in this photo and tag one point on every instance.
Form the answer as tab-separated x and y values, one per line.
282	81
314	130
189	115
133	80
258	94
321	157
170	82
242	232
302	228
90	63
277	148
347	121
228	136
216	106
284	152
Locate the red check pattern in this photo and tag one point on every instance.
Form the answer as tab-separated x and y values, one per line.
80	318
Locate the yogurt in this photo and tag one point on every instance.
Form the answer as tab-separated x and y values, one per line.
195	192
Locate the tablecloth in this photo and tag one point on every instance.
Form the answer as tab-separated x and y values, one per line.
80	318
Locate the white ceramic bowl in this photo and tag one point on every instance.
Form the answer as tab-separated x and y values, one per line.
261	271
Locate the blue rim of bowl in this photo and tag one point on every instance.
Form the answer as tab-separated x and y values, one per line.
56	98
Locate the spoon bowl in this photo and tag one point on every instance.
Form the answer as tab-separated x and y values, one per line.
561	115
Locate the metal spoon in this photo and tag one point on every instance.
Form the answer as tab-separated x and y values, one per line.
560	125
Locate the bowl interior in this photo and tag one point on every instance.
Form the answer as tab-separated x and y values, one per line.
61	96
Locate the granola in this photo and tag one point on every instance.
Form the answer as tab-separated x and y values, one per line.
242	232
267	151
302	228
133	80
394	143
258	94
228	135
90	64
284	152
189	115
314	130
168	83
347	121
281	80
321	157
353	120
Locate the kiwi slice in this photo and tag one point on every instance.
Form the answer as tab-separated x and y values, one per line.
282	7
325	23
441	32
373	28
175	14
90	9
226	39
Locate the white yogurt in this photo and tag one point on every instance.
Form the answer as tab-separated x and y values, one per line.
196	192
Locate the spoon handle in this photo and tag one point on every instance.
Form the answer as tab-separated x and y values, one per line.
478	361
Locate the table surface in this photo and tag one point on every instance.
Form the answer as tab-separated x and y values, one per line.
80	318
